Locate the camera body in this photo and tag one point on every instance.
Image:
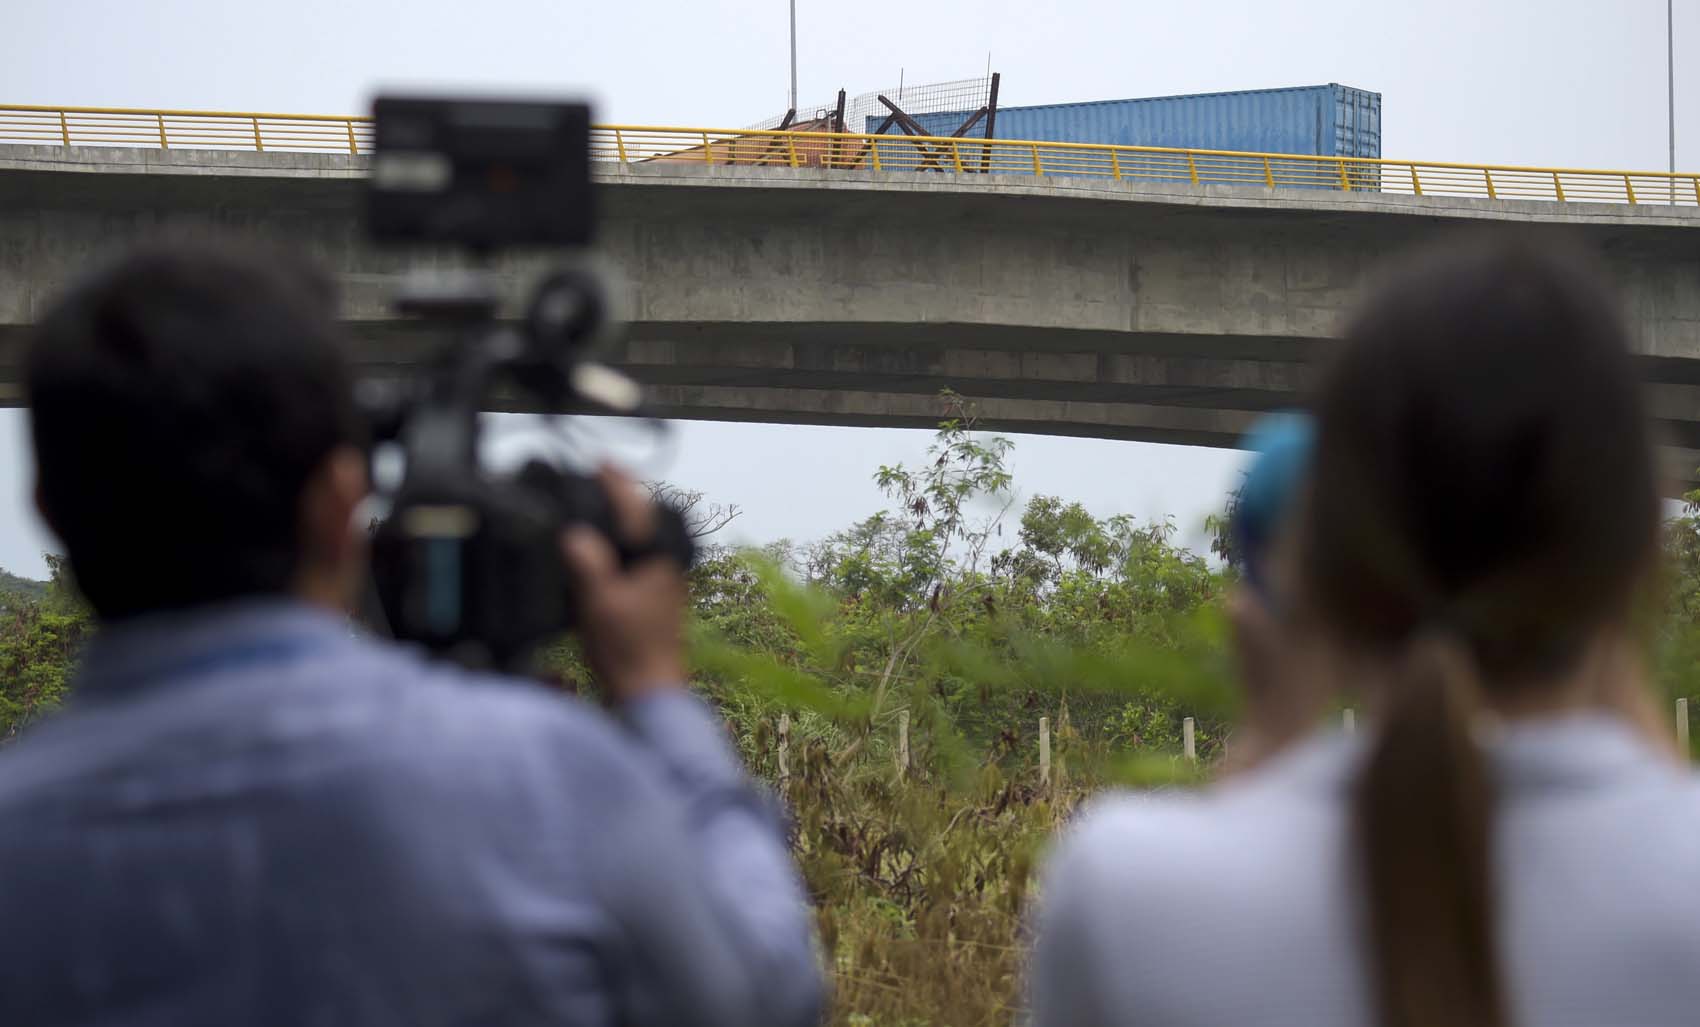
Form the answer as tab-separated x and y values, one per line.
468	562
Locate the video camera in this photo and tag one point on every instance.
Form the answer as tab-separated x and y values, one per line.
467	562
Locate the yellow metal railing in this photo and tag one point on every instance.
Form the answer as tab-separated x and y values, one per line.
228	130
184	130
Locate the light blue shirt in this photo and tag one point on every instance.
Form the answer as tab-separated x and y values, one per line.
251	817
1238	906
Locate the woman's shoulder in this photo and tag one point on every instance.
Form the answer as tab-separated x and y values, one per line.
1149	896
1158	839
1237	835
1125	822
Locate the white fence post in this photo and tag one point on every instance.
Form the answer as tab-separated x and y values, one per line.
1044	752
1349	721
784	750
903	743
1682	726
1188	748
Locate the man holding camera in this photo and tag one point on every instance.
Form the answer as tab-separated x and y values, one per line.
249	815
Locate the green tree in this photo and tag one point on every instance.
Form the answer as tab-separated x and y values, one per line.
39	641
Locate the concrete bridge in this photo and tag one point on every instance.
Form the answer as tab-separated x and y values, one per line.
1136	310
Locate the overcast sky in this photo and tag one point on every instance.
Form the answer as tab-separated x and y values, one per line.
1576	83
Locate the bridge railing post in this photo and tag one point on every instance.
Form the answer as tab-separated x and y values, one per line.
64	129
1629	188
260	144
164	144
620	145
1037	168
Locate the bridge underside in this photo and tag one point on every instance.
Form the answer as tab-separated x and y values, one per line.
1142	387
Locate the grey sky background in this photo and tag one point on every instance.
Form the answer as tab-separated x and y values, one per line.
1578	83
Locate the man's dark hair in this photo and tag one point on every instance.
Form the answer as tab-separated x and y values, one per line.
179	401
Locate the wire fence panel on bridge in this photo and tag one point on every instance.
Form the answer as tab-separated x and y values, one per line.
864	111
855	151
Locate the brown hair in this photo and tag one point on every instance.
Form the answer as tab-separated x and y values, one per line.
1482	502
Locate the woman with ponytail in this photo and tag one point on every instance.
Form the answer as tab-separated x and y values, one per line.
1509	842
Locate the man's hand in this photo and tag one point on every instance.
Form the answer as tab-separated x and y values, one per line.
631	621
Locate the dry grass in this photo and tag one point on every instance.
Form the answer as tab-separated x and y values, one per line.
921	887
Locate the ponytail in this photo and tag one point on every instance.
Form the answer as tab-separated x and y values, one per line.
1423	818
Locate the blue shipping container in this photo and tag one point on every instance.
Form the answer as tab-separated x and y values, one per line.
1331	121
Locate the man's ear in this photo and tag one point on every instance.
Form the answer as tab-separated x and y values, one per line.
334	492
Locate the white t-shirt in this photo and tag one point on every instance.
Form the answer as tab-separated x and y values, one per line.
1237	906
